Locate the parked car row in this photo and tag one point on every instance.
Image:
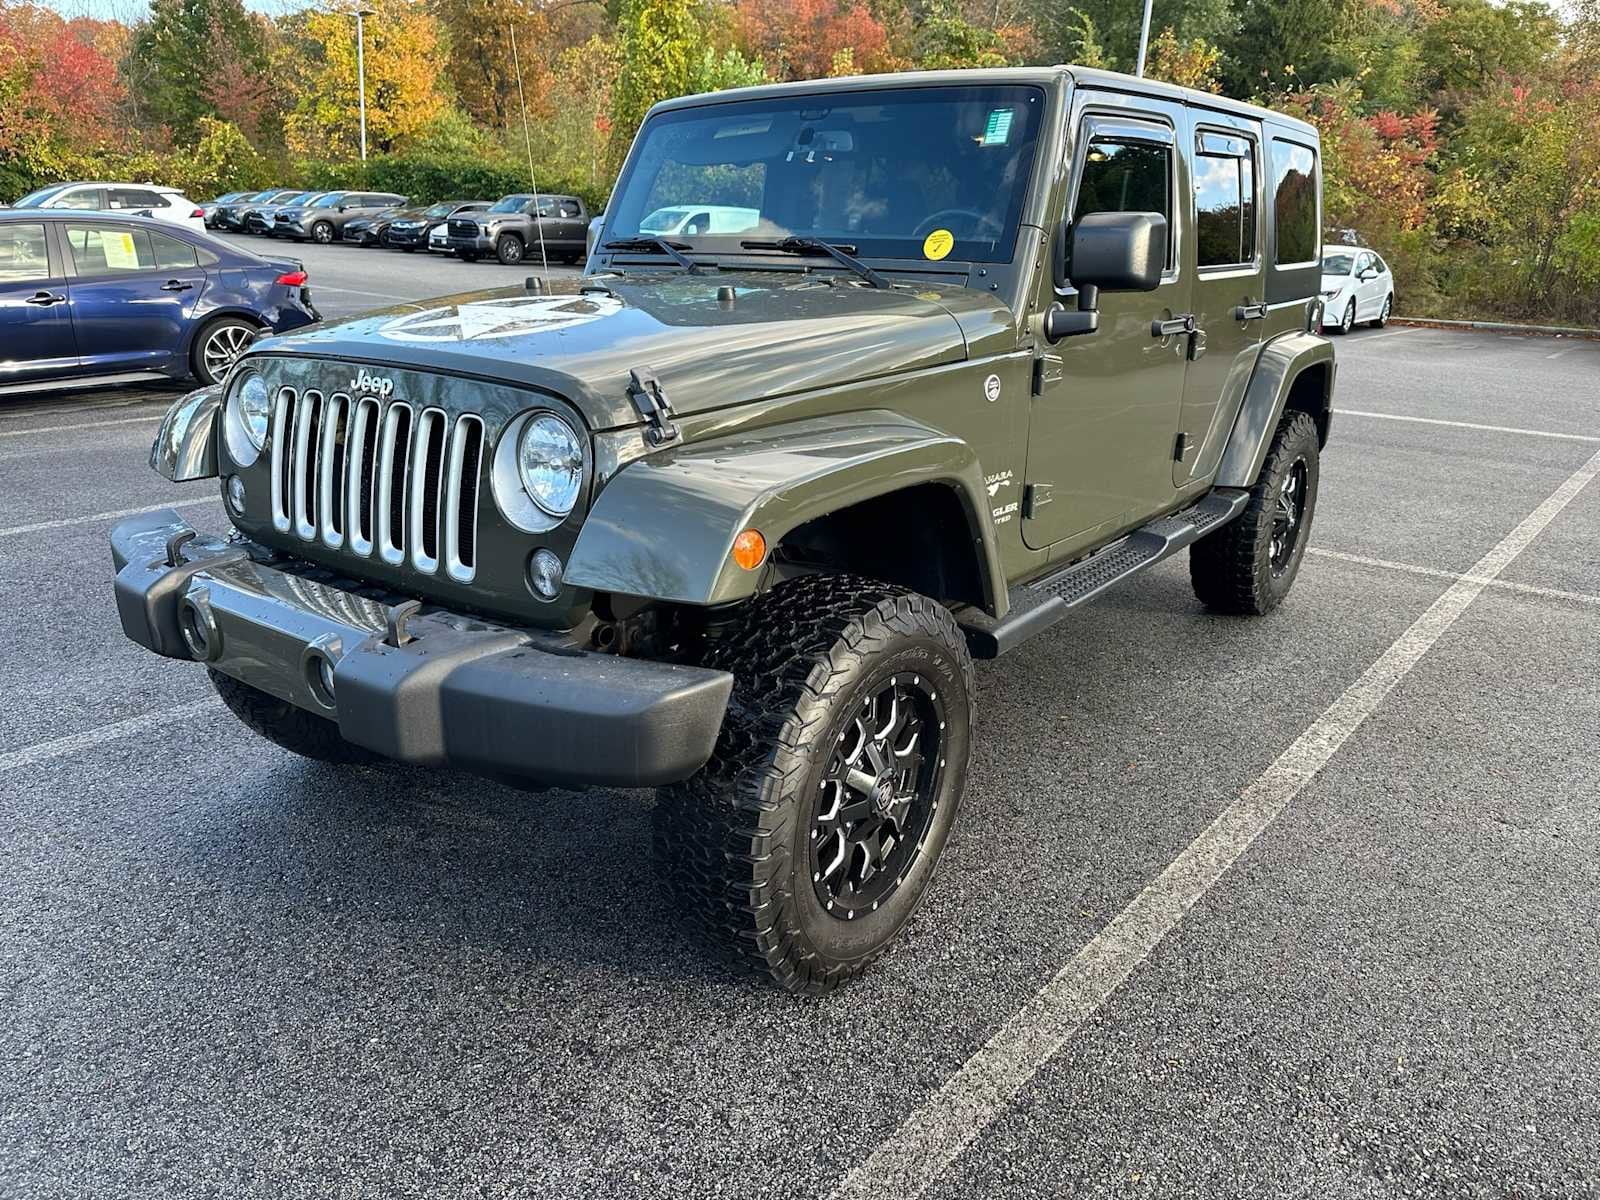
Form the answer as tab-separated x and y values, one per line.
513	229
90	297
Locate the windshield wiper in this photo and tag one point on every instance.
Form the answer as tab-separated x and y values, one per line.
673	250
843	255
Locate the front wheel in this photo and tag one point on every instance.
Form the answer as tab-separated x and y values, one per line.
1347	322
509	249
1248	566
322	233
1382	318
809	839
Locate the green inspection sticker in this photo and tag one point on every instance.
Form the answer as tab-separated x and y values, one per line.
997	129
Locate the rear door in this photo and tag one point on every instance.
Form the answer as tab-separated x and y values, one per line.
133	294
1105	409
1228	296
35	318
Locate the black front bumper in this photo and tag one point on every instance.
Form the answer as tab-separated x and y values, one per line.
448	690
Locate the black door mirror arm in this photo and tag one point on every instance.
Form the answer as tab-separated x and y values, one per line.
1061	323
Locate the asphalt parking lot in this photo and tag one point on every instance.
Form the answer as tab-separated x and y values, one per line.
1297	907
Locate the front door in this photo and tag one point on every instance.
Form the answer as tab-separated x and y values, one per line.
133	293
1105	416
35	321
1228	296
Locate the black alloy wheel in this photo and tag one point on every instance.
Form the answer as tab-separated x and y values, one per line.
1289	516
509	249
879	795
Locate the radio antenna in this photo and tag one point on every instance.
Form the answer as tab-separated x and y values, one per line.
527	141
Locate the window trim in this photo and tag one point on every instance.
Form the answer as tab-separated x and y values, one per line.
1224	139
1316	173
1138	126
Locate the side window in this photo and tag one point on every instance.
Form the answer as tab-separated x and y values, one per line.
23	257
170	252
109	250
569	208
1126	176
1379	265
78	198
1294	203
129	199
1362	264
1225	200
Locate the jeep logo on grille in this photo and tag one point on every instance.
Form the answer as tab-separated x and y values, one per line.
380	386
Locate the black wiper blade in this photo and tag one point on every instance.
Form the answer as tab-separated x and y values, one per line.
843	255
673	250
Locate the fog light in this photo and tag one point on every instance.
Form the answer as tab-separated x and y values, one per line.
544	573
236	495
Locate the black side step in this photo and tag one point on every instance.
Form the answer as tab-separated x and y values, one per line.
1038	605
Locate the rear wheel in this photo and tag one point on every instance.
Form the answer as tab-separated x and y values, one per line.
322	233
217	345
509	249
1249	565
294	729
809	839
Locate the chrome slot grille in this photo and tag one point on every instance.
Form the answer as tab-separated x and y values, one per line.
360	476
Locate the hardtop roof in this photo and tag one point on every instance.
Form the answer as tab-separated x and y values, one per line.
1040	76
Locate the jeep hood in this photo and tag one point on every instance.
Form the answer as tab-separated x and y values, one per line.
782	333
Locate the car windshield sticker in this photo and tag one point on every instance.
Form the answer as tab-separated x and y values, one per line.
480	319
938	244
997	130
119	251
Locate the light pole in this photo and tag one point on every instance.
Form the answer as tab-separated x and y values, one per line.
361	72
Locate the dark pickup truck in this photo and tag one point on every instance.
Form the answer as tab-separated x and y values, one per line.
522	226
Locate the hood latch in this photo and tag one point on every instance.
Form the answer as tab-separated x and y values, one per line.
644	389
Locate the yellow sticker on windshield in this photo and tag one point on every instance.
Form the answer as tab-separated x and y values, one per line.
938	244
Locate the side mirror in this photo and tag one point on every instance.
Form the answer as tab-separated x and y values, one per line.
1114	251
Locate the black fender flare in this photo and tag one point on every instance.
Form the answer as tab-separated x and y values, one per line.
1281	363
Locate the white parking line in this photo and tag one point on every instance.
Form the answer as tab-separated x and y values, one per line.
63	522
1507	585
1378	337
940	1128
40	752
325	287
1544	433
5	433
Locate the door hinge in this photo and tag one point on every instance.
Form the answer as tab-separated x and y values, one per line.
1034	497
644	389
1183	448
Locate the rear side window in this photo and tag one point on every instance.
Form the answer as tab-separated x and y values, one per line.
98	250
1126	176
1294	203
23	257
170	252
125	199
1225	200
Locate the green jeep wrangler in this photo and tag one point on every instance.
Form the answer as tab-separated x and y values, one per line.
732	516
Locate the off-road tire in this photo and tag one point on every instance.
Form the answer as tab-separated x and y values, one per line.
508	248
732	843
294	729
1232	569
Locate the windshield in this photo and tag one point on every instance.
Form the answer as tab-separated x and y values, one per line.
34	199
1337	264
510	203
325	200
440	210
911	173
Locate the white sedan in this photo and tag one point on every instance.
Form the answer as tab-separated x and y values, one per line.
1356	286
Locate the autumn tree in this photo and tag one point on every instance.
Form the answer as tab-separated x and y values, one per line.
184	51
1192	64
659	50
403	91
805	39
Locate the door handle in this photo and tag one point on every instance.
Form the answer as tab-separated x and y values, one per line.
1250	312
45	299
1183	324
176	285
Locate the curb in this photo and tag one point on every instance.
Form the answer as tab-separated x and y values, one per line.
1498	327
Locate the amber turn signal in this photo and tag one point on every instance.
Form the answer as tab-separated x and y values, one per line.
749	549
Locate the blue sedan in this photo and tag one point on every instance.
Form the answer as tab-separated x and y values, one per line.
90	298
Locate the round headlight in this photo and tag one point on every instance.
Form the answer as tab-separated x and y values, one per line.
550	464
255	408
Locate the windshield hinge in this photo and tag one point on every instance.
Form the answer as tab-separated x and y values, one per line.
644	389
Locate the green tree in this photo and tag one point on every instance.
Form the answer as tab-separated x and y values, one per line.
182	50
946	39
1280	43
1474	42
1113	27
659	40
